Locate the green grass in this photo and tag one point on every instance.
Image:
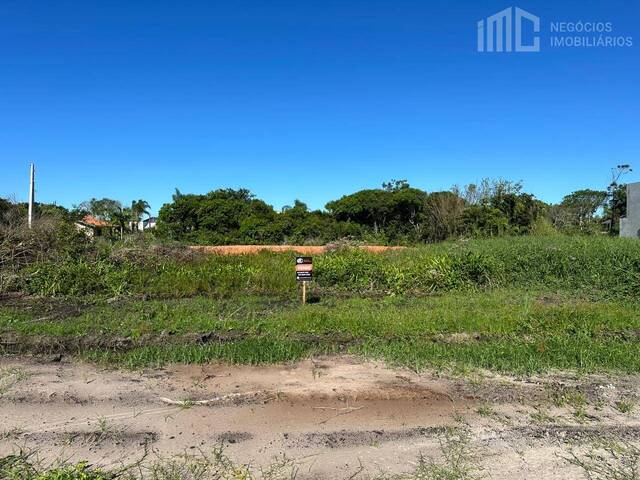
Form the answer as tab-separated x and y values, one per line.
624	406
511	304
505	330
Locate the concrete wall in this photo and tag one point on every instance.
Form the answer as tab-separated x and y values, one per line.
630	226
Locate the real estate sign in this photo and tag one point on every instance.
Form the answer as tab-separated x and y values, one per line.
304	269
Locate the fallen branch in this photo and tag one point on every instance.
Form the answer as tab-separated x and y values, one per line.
221	398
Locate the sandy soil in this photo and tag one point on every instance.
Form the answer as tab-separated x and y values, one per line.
333	416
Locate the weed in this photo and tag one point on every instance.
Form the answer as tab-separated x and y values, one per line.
625	406
187	404
609	460
458	417
458	462
103	433
541	416
12	434
21	466
580	414
485	411
568	396
10	377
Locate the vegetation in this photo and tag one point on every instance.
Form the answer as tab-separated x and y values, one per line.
458	463
604	460
509	302
394	214
609	459
513	304
506	330
596	266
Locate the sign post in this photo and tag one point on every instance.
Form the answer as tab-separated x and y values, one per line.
304	274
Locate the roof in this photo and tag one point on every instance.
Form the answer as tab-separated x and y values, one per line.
92	221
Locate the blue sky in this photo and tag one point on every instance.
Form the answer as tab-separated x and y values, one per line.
305	99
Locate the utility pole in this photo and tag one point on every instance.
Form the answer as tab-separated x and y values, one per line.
32	193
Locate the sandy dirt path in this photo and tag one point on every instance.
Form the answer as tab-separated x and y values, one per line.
334	417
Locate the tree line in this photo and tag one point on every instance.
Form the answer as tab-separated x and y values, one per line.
396	213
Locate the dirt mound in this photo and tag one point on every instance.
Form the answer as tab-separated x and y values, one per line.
301	249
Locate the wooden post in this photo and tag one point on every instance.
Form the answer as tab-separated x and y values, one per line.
304	293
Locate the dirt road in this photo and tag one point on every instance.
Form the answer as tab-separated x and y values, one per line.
334	417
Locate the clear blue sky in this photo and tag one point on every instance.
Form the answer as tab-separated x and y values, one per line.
305	99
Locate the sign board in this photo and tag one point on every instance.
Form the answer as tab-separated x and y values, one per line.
304	269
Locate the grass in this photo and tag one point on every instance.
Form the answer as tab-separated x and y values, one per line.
485	411
625	406
499	329
520	304
542	417
568	396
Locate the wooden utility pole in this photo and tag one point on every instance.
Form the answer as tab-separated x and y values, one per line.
32	193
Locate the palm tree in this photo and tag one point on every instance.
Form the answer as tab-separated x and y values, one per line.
121	217
138	209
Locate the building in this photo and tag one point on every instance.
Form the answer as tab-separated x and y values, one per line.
147	223
94	227
630	225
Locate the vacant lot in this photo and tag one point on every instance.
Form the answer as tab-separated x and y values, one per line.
522	348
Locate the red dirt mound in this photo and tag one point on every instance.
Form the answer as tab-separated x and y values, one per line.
302	249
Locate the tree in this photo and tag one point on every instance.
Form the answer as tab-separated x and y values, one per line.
121	218
394	185
138	209
443	216
103	209
221	216
112	211
503	208
484	221
395	211
617	198
582	205
615	207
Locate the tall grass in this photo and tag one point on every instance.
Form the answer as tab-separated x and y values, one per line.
599	265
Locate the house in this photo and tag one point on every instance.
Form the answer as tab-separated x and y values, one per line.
94	227
630	225
147	223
